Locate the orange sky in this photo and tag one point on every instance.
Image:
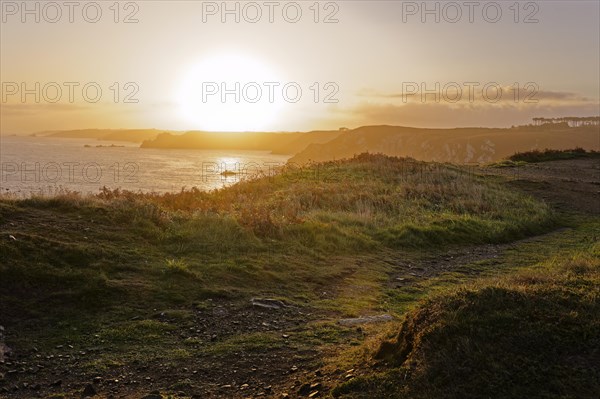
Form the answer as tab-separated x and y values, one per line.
296	66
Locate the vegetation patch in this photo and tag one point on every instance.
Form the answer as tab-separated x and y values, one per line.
534	333
535	156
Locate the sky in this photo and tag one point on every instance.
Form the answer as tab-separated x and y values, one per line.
295	66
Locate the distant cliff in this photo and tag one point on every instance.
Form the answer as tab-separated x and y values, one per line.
461	145
280	143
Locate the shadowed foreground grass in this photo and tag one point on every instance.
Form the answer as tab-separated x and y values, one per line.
89	252
130	272
535	333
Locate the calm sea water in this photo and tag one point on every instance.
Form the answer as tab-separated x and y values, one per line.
32	165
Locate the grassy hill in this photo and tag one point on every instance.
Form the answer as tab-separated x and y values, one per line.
532	334
131	287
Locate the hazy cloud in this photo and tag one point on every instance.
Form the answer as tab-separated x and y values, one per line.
461	93
459	115
36	109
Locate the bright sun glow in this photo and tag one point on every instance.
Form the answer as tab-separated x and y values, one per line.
228	93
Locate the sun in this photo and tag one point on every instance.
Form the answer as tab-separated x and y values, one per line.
229	92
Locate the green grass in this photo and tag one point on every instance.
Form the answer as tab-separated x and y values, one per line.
86	252
535	156
98	268
530	333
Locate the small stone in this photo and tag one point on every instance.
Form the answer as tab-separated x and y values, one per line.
314	394
267	303
366	319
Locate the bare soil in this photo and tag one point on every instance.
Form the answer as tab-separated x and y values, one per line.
285	368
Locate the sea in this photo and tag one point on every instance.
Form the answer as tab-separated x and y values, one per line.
49	166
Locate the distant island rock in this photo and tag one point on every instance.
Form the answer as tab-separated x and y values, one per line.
129	135
103	146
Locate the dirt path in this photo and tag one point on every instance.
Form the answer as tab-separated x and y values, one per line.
274	357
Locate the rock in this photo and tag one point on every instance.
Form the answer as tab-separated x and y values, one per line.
267	303
152	396
89	391
365	320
